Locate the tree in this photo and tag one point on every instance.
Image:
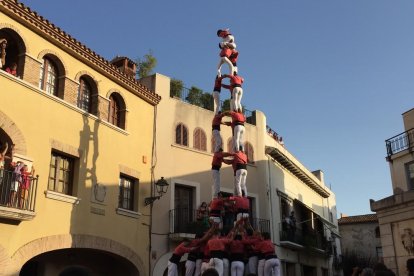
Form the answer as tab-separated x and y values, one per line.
194	96
146	65
176	88
226	105
207	101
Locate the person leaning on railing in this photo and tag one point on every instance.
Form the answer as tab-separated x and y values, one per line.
25	186
2	158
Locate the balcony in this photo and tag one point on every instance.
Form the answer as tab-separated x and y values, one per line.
184	223
17	203
303	238
399	143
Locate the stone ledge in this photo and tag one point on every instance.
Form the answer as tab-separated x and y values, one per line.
62	197
16	214
128	213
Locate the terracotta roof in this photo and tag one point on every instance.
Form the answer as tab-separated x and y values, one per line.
358	219
34	21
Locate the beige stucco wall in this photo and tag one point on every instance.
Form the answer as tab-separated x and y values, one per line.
47	122
360	238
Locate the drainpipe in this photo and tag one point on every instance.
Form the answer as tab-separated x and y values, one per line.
269	188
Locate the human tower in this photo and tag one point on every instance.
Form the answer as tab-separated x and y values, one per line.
242	249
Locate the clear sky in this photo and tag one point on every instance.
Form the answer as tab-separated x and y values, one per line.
332	77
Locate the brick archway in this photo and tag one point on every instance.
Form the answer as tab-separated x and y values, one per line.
50	243
10	128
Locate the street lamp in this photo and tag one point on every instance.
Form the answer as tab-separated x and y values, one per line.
161	186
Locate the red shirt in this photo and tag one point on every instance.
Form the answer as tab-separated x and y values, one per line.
237	117
217	119
217	84
266	247
25	184
237	247
241	202
234	56
234	81
181	249
11	71
239	157
216	204
217	244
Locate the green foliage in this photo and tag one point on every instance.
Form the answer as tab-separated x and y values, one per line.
194	96
146	65
226	105
207	101
176	88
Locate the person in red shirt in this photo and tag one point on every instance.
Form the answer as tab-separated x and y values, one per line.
271	262
216	208
218	159
241	206
236	90
240	173
179	251
227	46
199	243
216	126
216	94
237	250
217	246
251	240
12	69
237	125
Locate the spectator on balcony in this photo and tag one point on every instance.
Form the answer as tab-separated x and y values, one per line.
12	69
202	214
25	186
2	159
179	251
15	184
3	45
292	221
281	141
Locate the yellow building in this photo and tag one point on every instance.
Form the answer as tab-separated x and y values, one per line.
396	212
86	127
277	184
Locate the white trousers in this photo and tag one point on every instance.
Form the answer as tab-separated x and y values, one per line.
260	267
237	95
238	137
237	268
228	62
172	269
252	265
218	141
226	267
240	182
216	97
204	267
216	182
217	264
272	267
189	268
198	267
239	216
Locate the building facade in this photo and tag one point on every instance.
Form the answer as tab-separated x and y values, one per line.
396	212
277	183
85	128
360	237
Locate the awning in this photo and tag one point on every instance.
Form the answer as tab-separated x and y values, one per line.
328	224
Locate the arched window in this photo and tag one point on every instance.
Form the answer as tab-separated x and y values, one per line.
117	110
377	232
200	140
248	149
48	77
230	145
85	95
181	135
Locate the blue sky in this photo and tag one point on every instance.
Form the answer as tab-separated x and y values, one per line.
332	77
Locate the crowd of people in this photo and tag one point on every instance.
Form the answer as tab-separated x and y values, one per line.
275	136
380	269
241	250
15	180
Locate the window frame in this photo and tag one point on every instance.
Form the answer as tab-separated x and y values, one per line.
199	140
181	135
67	186
85	88
410	180
249	151
129	193
47	69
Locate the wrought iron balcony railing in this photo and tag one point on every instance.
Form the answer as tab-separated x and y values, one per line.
184	220
16	192
307	238
400	142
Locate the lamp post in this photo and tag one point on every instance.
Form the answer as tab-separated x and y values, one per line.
161	186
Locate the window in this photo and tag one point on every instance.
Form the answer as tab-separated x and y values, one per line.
377	232
248	148
84	95
127	192
117	110
200	140
181	135
184	209
410	175
61	174
379	252
48	77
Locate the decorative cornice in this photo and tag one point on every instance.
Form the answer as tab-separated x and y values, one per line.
49	31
